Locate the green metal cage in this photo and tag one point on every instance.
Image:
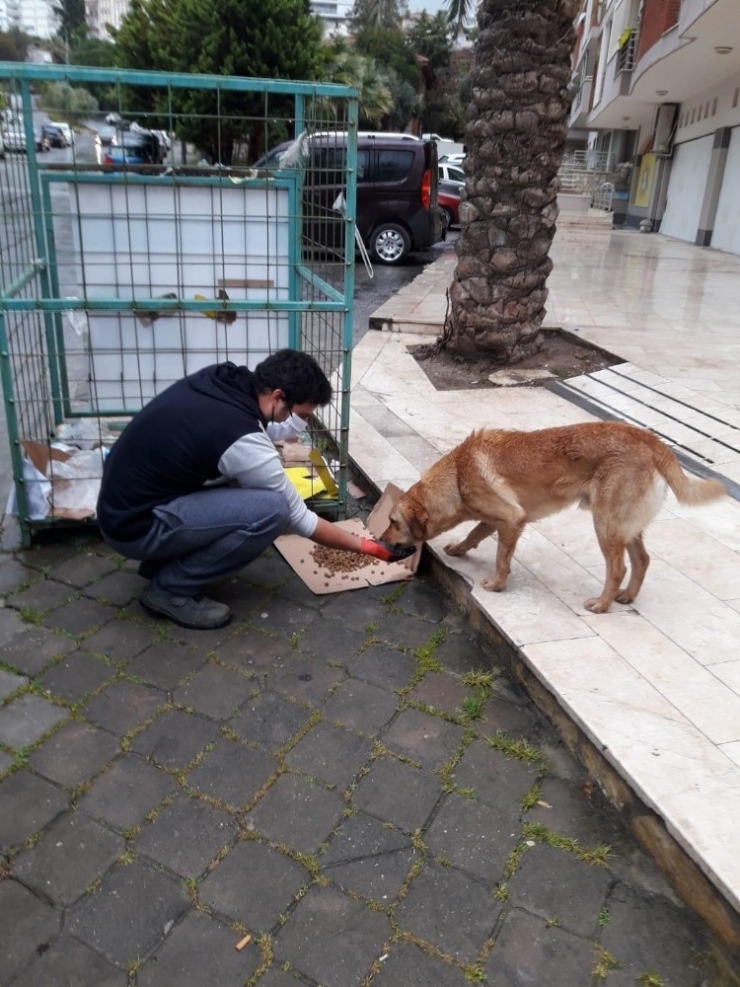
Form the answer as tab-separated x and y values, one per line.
174	227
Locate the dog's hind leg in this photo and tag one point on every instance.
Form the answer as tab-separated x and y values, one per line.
613	547
639	562
472	540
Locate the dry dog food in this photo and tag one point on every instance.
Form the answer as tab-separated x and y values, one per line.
334	560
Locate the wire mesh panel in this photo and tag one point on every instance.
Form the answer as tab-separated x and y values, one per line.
191	221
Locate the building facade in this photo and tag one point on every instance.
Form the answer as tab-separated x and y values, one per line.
657	85
35	18
104	14
334	14
101	15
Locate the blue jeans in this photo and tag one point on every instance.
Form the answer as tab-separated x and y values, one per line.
205	536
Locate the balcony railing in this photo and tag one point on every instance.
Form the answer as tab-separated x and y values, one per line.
585	172
581	104
626	56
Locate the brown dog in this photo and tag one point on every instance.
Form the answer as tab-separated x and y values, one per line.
503	479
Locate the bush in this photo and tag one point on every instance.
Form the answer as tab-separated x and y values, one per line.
68	100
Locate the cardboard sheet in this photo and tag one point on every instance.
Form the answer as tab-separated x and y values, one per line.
297	552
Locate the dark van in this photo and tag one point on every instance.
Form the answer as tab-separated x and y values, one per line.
54	135
397	210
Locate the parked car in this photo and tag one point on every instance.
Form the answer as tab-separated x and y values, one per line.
387	134
451	173
139	147
41	142
384	134
449	200
456	159
54	134
164	139
15	140
105	136
69	134
445	145
397	211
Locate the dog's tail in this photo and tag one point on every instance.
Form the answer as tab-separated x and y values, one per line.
688	489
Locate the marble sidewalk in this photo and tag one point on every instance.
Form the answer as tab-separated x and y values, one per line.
655	685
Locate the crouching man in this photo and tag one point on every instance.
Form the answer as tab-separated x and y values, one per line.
194	488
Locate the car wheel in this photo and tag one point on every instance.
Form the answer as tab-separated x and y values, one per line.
449	218
390	243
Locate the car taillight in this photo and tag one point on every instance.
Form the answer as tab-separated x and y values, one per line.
107	159
426	189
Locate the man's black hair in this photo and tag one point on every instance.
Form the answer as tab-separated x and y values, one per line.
296	374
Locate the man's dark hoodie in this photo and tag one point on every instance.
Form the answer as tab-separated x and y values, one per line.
207	427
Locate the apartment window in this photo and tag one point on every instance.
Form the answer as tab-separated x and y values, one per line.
693	114
706	111
735	98
714	106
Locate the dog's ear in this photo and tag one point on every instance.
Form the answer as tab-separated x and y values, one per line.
416	518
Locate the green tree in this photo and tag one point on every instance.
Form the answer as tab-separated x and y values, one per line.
517	123
13	45
405	102
460	13
441	112
346	66
67	101
221	37
72	22
92	51
377	13
432	37
392	50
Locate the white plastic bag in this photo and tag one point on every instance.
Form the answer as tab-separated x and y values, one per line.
38	489
76	482
85	433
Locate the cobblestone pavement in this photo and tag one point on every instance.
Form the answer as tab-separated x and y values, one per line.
348	779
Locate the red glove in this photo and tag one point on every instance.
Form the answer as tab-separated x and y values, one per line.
385	552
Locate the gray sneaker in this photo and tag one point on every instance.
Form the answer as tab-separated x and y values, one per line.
197	612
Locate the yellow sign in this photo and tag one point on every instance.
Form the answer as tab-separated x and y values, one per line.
645	181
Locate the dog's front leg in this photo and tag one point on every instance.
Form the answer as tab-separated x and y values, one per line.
473	540
508	536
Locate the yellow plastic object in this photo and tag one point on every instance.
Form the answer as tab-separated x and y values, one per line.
324	472
307	486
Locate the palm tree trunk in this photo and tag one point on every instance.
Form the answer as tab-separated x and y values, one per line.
515	135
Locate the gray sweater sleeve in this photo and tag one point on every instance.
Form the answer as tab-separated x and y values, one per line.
253	461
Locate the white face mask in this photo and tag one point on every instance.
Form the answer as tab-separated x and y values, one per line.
297	423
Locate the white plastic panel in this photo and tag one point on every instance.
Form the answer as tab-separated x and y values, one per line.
688	179
726	234
143	242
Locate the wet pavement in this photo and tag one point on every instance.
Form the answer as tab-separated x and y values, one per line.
350	780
